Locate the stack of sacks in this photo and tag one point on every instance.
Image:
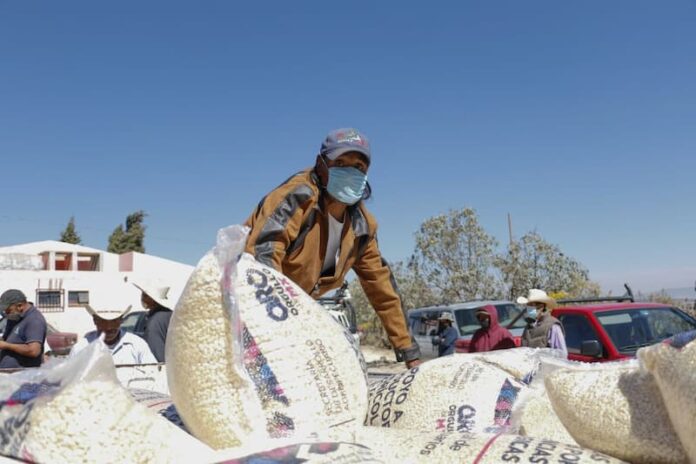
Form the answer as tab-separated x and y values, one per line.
673	365
259	359
616	409
452	393
408	446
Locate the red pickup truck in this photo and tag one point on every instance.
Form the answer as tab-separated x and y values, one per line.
609	332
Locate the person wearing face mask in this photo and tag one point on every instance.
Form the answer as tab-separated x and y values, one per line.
22	342
125	347
491	336
543	330
315	228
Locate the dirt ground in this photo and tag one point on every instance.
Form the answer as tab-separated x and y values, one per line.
381	361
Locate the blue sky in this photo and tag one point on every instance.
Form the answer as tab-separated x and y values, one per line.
577	118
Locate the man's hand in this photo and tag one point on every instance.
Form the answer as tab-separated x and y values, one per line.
3	344
414	363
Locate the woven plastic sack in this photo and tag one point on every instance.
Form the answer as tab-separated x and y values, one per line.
523	363
452	393
410	447
76	411
160	404
674	370
616	410
251	357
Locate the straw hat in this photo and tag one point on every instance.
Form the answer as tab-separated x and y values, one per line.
158	293
108	314
445	316
536	296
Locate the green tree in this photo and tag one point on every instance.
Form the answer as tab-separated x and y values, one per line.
414	293
132	238
70	235
454	255
532	262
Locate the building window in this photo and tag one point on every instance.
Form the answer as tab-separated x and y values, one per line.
78	298
63	261
87	262
49	300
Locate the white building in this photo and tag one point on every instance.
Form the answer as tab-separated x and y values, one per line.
61	278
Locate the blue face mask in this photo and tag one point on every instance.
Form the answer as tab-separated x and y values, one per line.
532	313
346	184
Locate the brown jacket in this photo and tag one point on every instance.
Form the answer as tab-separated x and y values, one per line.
289	231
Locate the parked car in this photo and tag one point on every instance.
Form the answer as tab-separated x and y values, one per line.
60	342
614	331
134	322
423	323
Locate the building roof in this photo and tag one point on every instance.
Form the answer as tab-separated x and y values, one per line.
48	245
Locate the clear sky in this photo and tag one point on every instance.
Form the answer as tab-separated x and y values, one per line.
577	118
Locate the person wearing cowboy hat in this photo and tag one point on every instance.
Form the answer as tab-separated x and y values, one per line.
315	229
125	347
544	330
155	299
447	336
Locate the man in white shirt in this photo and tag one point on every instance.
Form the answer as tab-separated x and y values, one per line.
125	347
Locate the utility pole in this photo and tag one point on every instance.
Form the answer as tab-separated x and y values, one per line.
510	227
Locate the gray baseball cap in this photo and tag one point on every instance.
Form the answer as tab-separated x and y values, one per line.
342	141
11	297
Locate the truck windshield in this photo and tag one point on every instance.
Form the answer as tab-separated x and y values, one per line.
630	329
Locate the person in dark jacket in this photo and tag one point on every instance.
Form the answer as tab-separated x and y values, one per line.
155	300
448	335
491	336
23	341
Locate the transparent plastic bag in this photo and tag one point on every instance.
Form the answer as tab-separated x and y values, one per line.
76	411
251	357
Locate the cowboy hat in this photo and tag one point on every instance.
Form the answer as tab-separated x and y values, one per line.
157	293
536	296
445	316
107	314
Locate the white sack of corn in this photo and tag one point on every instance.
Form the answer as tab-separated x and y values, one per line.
449	394
616	410
674	370
536	418
158	403
395	446
251	357
523	362
305	452
75	411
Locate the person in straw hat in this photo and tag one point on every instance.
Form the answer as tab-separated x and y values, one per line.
545	331
447	336
125	347
155	299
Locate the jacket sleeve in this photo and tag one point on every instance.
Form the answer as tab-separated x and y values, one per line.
380	288
276	222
